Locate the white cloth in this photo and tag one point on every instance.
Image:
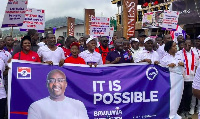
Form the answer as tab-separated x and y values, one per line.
196	81
168	59
176	91
48	109
40	44
5	55
49	55
197	53
134	52
144	54
91	57
161	52
189	57
2	89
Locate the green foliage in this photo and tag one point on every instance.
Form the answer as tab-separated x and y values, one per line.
61	21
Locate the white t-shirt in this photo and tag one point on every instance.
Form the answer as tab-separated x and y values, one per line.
134	52
144	54
40	44
49	55
48	109
5	55
161	52
94	57
2	89
189	57
168	59
197	53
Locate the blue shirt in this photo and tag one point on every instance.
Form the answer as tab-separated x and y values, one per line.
125	58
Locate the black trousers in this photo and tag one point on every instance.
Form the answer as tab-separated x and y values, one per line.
3	103
186	97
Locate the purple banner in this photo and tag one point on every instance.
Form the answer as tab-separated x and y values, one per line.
41	31
108	92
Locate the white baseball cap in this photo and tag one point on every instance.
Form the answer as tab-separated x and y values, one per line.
134	39
91	38
147	39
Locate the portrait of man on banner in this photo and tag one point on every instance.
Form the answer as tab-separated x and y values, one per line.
57	105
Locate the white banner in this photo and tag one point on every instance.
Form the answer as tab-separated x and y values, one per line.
170	20
15	13
100	21
34	19
100	26
99	31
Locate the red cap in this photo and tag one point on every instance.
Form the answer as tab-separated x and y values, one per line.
74	43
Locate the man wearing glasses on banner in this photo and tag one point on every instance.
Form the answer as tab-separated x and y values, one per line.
57	105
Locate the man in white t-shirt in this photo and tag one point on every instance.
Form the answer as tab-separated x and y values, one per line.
57	105
90	56
161	52
148	54
50	53
190	64
2	90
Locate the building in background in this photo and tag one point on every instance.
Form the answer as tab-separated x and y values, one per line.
62	31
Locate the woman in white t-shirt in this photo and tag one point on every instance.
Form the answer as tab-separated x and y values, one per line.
50	53
2	90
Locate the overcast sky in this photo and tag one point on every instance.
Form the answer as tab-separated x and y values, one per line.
72	8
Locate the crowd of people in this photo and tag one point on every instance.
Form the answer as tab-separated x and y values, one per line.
182	57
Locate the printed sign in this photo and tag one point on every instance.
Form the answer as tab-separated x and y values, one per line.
15	13
34	19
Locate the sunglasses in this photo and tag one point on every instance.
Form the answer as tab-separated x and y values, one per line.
105	41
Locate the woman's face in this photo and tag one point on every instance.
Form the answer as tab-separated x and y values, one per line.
74	50
26	45
173	48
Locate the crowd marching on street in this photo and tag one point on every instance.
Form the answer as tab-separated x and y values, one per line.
88	50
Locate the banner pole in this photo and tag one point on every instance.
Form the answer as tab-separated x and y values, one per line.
157	32
11	33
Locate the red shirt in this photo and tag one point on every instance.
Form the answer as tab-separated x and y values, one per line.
67	52
97	49
104	53
31	56
73	60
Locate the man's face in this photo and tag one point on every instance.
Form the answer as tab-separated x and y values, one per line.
56	85
35	37
159	41
181	46
141	39
60	40
149	45
180	38
70	41
51	40
168	38
119	44
104	42
188	45
81	41
2	44
126	45
114	38
91	45
135	45
9	41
